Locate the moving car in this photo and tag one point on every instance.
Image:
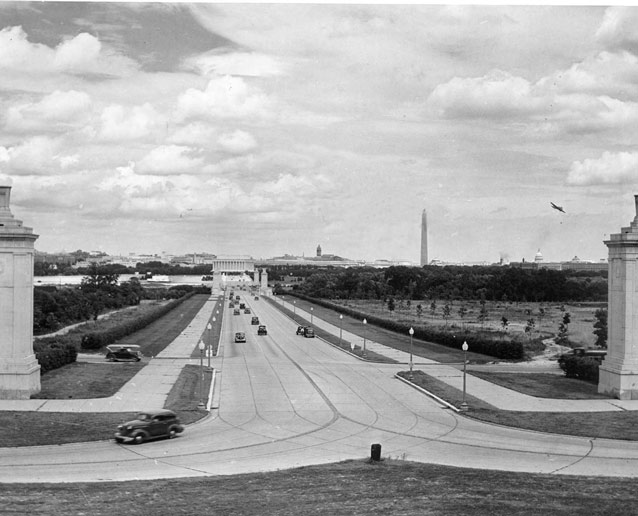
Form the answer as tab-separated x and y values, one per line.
254	320
240	336
151	424
597	354
236	311
231	305
256	298
262	330
123	353
242	306
300	330
247	310
309	332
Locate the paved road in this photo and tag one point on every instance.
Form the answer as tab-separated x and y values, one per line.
282	401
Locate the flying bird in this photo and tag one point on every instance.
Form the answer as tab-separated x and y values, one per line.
559	208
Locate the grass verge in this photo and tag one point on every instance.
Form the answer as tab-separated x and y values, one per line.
354	488
23	428
606	425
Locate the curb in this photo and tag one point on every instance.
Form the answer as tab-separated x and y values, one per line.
428	393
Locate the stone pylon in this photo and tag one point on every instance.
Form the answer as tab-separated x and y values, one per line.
19	369
619	371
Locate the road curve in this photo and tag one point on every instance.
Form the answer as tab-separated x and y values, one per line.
284	401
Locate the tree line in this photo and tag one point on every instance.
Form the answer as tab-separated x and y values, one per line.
492	283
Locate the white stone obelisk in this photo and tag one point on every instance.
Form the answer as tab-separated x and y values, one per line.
618	374
19	369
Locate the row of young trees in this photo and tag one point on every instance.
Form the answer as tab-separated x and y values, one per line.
495	283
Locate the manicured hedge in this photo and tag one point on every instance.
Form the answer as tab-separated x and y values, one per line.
52	353
484	344
583	368
99	339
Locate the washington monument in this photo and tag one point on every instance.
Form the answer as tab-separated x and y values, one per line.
424	239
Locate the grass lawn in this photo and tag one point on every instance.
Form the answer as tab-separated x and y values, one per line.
353	488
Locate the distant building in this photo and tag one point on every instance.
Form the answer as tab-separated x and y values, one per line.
318	251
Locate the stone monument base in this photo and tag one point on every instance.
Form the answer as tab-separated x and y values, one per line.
620	381
19	378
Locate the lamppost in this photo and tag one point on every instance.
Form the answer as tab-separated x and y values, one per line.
340	328
411	332
464	348
311	315
294	307
209	345
201	405
364	337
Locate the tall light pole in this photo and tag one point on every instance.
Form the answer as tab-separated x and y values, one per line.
311	315
411	332
364	337
464	348
340	328
201	405
209	347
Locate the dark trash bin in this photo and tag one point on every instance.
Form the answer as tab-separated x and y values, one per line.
375	452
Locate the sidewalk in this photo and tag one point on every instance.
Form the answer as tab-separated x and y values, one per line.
148	389
499	397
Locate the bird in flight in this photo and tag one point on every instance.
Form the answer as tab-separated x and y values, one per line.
559	208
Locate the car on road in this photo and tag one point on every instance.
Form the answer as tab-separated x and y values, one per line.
254	320
242	306
300	330
262	330
596	354
256	298
309	332
236	311
231	305
240	336
246	310
151	424
123	353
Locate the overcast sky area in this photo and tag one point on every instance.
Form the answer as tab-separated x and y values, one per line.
268	129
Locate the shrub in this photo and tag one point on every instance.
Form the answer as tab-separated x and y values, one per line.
53	353
583	368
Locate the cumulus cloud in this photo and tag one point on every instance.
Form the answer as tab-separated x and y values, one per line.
237	142
497	94
56	111
120	122
195	133
38	155
170	160
610	168
224	97
81	54
619	29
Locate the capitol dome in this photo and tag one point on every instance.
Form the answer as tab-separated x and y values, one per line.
538	257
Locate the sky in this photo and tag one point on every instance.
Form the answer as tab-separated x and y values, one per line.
267	129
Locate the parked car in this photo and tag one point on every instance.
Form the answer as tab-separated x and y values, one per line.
262	330
300	330
246	310
254	320
240	336
236	311
123	353
151	424
309	332
597	354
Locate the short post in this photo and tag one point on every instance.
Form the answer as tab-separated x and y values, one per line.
340	328
209	344
201	405
464	347
375	452
364	337
411	332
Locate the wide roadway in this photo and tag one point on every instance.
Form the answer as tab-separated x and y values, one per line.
282	400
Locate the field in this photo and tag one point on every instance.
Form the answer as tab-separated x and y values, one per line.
465	315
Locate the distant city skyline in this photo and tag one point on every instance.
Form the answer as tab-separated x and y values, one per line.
269	127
